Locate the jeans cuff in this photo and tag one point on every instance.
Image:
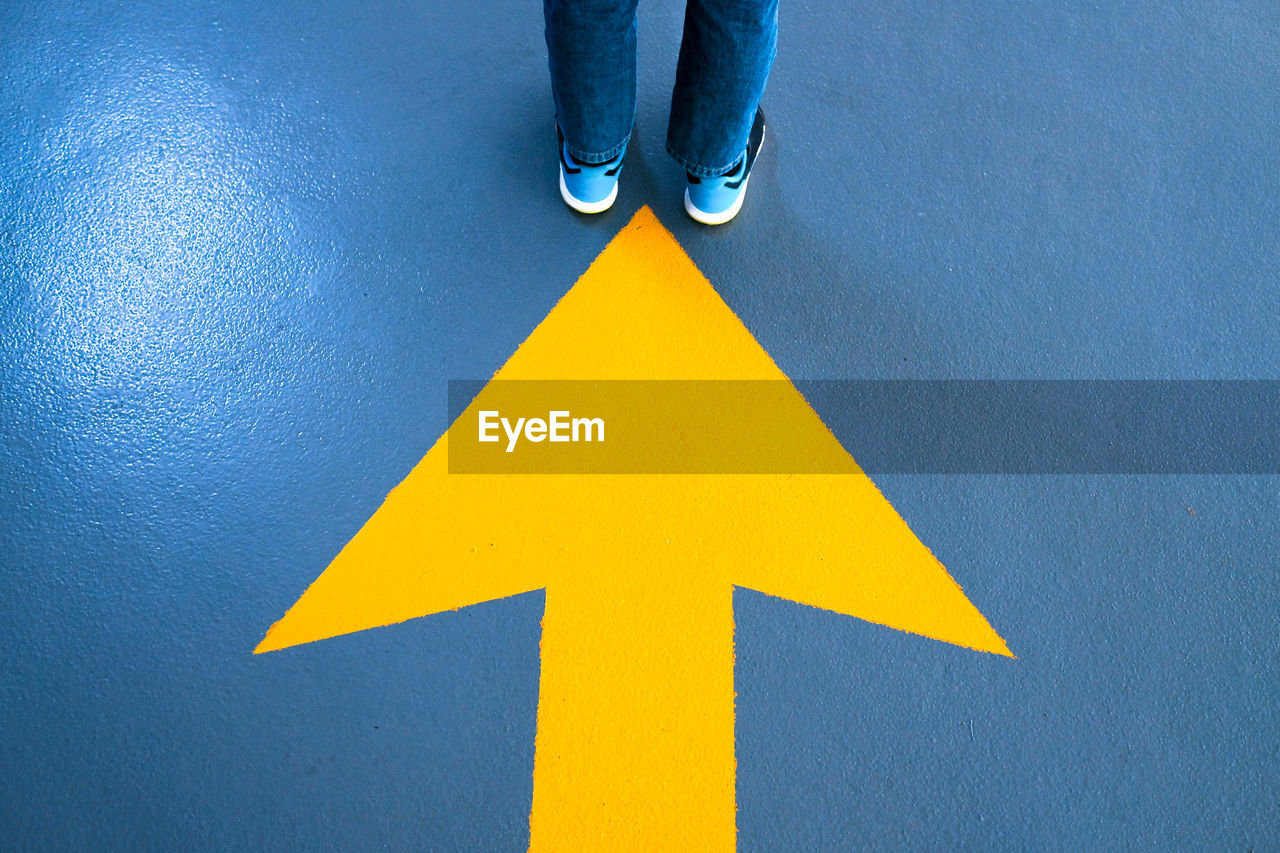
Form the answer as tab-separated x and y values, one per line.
595	158
700	171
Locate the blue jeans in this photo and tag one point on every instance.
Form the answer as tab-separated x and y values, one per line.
725	56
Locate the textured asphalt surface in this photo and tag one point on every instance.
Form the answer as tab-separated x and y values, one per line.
243	247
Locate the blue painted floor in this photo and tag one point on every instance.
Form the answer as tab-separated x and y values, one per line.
243	247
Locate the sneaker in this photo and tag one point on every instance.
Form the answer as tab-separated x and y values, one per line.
714	201
587	187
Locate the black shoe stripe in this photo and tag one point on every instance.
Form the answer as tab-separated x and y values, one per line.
564	163
753	148
573	170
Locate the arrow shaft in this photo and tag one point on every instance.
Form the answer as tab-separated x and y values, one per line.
635	744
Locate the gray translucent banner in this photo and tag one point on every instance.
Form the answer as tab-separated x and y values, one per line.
887	426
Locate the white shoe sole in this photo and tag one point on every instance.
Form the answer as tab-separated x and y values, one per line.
587	206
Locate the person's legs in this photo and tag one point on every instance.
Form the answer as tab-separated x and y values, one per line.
591	48
725	57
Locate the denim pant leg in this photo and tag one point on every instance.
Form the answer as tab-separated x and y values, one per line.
591	51
725	57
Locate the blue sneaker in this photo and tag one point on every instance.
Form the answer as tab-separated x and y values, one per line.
587	187
714	201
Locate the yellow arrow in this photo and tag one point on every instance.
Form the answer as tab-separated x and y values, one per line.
635	744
